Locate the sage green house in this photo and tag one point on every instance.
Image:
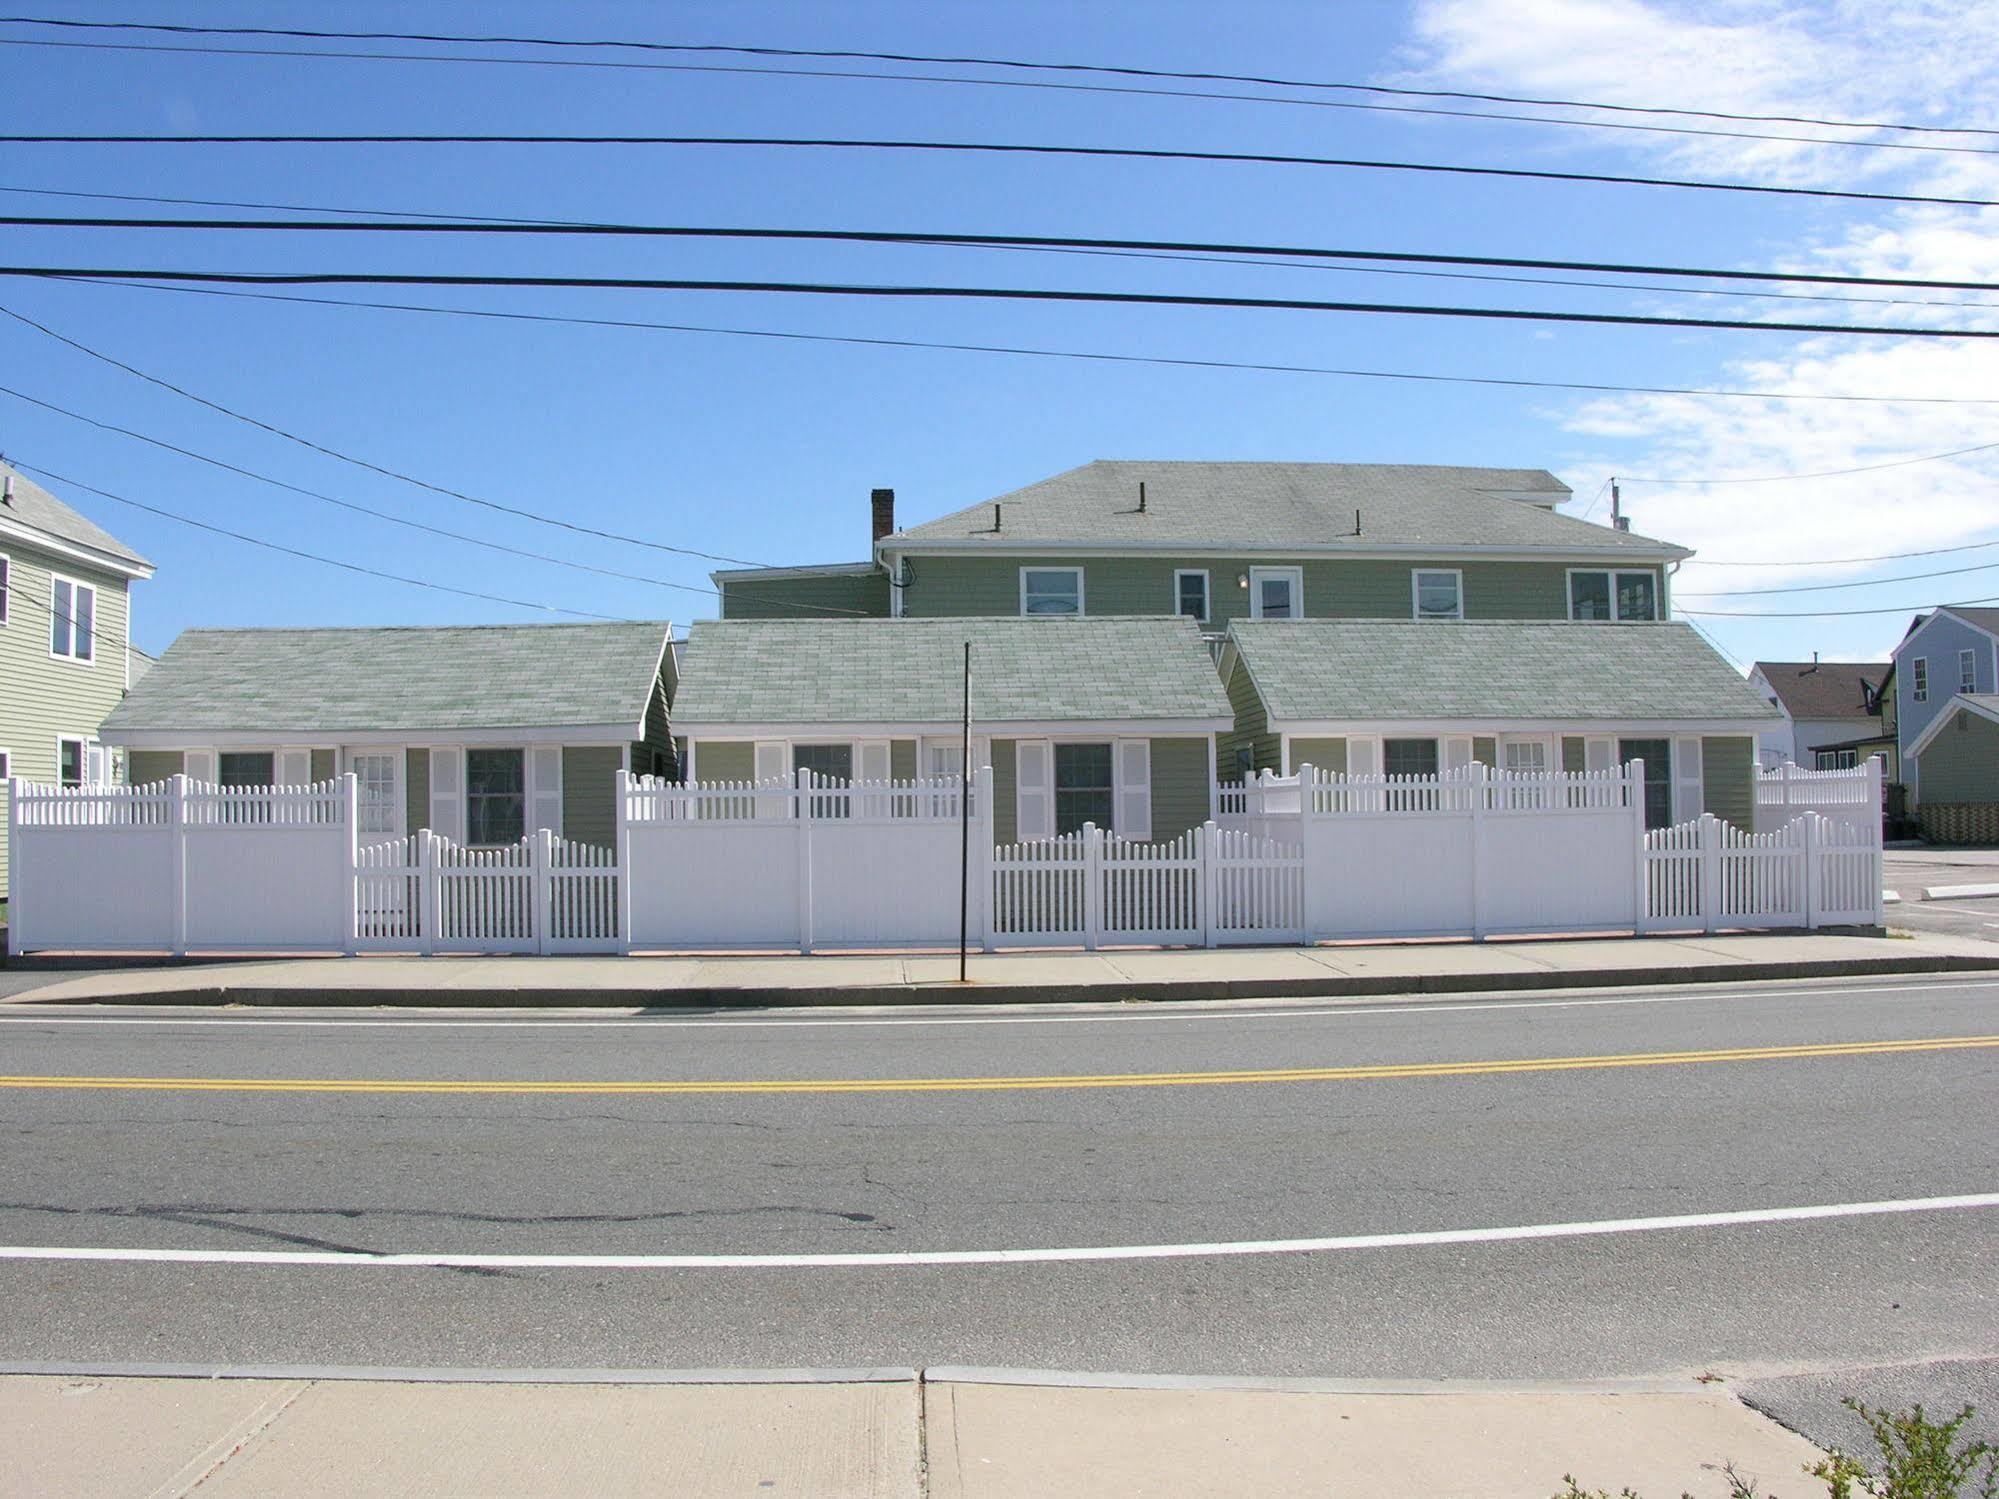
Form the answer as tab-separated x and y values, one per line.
1960	760
1109	721
65	627
1223	541
1415	697
480	733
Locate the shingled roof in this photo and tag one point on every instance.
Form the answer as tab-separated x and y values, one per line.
911	671
1333	670
1824	689
34	507
286	682
1284	506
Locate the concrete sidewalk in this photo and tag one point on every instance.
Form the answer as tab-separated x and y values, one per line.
882	1434
706	981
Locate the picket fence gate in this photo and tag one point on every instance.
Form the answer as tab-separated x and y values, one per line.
544	894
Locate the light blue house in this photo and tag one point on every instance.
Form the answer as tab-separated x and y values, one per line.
1949	655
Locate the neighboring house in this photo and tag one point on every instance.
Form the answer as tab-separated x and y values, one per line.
479	733
137	664
1946	653
1406	697
1223	541
1828	707
65	621
1959	753
1110	721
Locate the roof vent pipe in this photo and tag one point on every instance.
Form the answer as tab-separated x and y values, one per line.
7	491
996	515
1141	497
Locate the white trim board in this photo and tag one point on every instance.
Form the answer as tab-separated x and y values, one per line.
1638	554
579	736
987	728
76	551
1629	728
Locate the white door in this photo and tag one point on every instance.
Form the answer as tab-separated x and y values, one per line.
378	775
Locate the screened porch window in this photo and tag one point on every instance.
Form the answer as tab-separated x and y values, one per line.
246	768
1083	787
495	796
1409	757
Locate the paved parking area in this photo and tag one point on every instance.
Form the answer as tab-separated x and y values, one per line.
1908	871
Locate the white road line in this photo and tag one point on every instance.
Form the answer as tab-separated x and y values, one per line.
921	1258
1115	1011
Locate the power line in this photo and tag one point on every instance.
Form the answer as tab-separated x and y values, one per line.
1718	647
1044	353
1010	148
977	293
878	76
1969	546
990	62
1204	257
258	541
1830	473
1831	613
928	237
1736	593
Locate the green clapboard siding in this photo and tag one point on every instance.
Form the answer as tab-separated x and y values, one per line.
1320	754
150	767
807	598
589	794
1728	786
1485	750
1251	731
1962	762
1179	786
1360	589
725	760
323	763
1575	754
902	759
416	789
1006	823
658	739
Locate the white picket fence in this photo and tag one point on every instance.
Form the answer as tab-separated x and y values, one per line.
1852	797
807	864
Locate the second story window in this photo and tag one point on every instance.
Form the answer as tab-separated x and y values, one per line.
1967	671
1440	593
1190	592
72	619
5	579
1051	590
1620	596
1919	678
1276	593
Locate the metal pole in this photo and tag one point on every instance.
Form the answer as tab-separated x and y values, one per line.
965	817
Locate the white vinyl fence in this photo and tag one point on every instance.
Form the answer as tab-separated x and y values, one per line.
807	863
1852	797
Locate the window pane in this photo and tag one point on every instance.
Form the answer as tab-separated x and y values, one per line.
1589	595
1658	757
70	768
1637	596
59	616
1193	592
1967	671
1276	597
1083	787
1052	591
237	768
495	795
834	761
85	617
1437	596
1527	756
1409	757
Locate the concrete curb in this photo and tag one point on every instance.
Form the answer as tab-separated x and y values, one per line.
1073	1379
1959	892
1332	986
393	1374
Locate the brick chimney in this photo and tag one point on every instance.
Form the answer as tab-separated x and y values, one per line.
881	506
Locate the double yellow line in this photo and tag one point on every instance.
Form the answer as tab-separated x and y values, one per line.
1379	1073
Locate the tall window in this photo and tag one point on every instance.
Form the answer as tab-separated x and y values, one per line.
72	759
72	619
1440	594
1919	678
1051	590
380	792
6	577
495	796
1276	593
1083	787
1967	671
1620	596
1190	592
1409	757
1658	757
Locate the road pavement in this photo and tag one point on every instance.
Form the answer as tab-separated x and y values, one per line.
1908	872
1210	1133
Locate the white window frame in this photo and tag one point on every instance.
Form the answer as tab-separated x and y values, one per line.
1842	759
6	586
1967	670
1416	577
1919	679
464	793
6	764
1551	754
398	759
74	635
1295	576
1610	575
1207	592
1078	574
82	743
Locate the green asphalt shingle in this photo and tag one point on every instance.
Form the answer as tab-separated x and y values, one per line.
1369	669
332	681
892	671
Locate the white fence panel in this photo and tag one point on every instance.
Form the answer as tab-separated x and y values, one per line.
1761	877
1256	888
1813	872
1846	885
1151	892
1852	798
94	868
389	884
886	884
486	898
1543	870
268	867
1041	893
1388	875
582	896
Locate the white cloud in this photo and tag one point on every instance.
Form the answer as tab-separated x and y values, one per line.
1858	59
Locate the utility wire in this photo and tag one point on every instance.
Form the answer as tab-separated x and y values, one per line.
1739	593
987	62
1042	353
1830	473
878	76
1969	546
1007	148
976	293
1202	258
926	237
1832	613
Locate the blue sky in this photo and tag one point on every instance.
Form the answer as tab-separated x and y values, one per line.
764	449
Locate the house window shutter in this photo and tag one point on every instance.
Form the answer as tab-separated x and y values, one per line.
772	764
97	765
200	766
1688	779
1132	771
545	787
872	763
1363	757
447	794
1034	789
1599	754
294	767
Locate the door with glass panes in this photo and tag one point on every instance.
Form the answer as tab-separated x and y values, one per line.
378	775
1658	757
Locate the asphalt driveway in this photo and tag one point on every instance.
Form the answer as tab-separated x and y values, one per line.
1908	871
